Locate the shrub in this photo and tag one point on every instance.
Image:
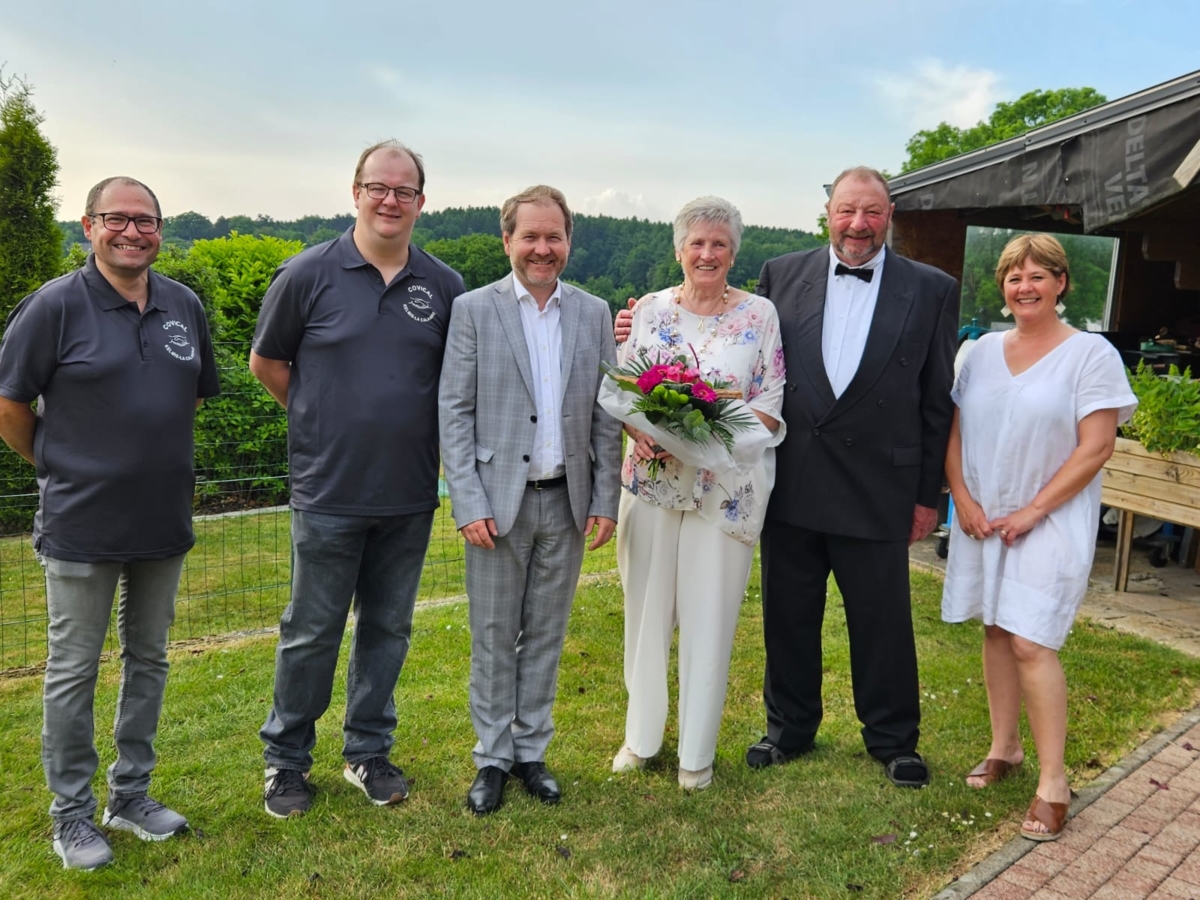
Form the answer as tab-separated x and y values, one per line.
242	266
1167	418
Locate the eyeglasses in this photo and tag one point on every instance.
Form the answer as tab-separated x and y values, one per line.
377	191
120	221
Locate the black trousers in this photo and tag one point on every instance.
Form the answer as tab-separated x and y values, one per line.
874	582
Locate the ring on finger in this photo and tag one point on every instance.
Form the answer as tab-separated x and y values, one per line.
1003	533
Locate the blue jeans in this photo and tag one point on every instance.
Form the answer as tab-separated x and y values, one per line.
376	561
79	599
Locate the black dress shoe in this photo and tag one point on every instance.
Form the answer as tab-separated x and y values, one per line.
767	753
487	791
538	781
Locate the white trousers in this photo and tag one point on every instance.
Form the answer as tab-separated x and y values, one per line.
677	568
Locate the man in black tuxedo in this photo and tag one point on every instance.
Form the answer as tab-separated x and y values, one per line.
869	341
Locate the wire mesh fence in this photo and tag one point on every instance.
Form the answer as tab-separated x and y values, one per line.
237	577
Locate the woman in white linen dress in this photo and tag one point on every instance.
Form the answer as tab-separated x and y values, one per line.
687	536
1038	409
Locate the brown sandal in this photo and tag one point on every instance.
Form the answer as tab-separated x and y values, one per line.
1052	815
991	771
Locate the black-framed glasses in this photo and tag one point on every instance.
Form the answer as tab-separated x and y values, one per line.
120	221
377	191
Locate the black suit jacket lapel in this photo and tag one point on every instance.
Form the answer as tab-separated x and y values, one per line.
807	324
891	312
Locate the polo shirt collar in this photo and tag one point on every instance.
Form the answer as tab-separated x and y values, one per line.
353	259
107	296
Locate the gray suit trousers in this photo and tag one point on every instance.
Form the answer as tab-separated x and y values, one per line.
520	598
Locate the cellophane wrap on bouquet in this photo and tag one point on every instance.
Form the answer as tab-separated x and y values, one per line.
701	424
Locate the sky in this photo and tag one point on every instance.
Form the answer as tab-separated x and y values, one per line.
261	107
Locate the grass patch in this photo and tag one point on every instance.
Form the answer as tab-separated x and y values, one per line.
802	830
235	579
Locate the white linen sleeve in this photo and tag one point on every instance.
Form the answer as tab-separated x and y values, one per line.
1102	383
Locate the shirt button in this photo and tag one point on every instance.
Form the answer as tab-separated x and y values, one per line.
880	403
525	458
903	361
816	431
849	442
792	386
533	418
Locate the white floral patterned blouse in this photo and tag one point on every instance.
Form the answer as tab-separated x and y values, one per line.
743	348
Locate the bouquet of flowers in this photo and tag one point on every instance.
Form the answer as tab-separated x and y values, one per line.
694	420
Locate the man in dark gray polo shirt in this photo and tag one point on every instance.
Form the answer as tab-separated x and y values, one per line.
350	341
118	358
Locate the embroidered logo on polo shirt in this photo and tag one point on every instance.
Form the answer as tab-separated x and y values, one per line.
417	307
177	343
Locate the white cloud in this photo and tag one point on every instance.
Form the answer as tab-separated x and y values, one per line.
622	205
934	92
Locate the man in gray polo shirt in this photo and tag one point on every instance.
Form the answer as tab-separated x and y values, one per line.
350	341
118	358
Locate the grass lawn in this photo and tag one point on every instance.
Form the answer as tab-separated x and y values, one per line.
826	826
234	580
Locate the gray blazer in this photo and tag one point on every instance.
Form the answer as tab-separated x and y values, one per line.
487	409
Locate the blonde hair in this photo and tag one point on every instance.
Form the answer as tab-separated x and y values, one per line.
539	193
1044	250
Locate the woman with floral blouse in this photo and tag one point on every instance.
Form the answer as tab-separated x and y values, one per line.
687	535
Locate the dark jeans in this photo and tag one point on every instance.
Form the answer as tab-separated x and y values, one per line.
376	561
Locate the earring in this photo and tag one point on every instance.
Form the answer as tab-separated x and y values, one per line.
1005	311
1060	308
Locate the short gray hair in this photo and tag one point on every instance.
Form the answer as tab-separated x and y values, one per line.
862	173
713	211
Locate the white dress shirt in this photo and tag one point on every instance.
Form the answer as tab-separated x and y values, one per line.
849	308
543	337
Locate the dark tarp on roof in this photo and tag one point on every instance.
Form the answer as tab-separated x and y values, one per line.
1111	170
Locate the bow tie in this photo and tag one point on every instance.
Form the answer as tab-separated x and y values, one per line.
864	273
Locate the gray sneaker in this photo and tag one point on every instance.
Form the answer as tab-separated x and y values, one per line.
287	793
81	845
383	783
145	817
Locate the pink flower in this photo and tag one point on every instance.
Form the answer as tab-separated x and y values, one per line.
651	378
690	376
674	372
703	392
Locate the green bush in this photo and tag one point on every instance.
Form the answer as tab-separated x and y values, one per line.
241	440
242	266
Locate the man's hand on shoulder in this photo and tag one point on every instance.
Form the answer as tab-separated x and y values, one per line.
623	323
603	528
923	523
480	533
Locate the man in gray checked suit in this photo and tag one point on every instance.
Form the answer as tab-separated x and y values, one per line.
532	463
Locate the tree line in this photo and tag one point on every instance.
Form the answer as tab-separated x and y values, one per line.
612	258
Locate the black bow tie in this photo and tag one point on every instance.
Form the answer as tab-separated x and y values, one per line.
864	273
